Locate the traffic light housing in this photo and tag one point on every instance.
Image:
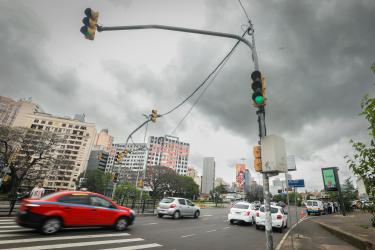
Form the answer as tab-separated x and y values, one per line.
257	153
118	157
126	152
154	115
259	89
115	177
99	157
90	21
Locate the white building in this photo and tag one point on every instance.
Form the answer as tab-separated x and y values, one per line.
208	177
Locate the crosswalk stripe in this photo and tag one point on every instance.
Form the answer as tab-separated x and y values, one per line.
8	222
134	247
63	238
78	244
15	226
21	230
11	235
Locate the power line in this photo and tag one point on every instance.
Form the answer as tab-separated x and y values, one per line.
217	70
248	18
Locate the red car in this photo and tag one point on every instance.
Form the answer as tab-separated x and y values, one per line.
73	209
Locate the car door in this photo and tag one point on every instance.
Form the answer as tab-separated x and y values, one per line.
104	212
182	206
75	209
190	207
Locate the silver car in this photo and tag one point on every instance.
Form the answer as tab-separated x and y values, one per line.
177	208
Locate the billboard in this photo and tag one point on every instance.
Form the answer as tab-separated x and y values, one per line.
240	176
330	179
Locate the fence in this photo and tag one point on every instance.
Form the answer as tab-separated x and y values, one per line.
139	206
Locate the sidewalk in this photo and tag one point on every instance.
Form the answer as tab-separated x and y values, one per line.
353	231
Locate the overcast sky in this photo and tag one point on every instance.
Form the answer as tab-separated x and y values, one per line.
315	55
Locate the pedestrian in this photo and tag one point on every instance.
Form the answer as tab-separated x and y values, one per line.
335	205
37	192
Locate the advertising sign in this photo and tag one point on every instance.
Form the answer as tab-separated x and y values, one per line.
240	176
330	179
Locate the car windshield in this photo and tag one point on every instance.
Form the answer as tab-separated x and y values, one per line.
315	203
167	200
309	203
241	206
273	210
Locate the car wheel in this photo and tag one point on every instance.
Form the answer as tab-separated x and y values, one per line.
160	215
121	224
308	213
281	228
176	215
196	214
256	226
231	221
51	225
286	225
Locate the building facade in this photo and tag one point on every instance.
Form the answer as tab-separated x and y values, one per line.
14	113
193	173
169	152
76	146
103	138
208	177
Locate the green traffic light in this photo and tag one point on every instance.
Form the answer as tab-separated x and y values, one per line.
259	99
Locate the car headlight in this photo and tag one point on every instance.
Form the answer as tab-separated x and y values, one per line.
132	211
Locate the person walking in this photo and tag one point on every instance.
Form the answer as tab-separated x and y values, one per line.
37	192
335	205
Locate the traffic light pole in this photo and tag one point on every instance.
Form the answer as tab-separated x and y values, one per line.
260	112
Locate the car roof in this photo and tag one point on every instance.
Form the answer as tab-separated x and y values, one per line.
61	193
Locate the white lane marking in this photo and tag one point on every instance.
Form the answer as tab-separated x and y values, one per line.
6	223
286	234
135	247
225	228
90	236
188	235
7	220
211	231
206	215
3	227
152	223
20	230
78	244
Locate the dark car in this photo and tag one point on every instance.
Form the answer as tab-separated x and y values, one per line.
73	209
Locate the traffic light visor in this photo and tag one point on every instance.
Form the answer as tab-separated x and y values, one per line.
256	75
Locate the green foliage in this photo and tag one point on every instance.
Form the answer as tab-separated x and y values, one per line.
97	181
348	194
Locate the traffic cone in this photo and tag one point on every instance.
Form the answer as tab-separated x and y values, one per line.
302	214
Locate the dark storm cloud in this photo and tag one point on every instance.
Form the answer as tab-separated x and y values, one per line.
316	58
24	68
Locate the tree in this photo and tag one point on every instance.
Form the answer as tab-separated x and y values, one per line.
348	194
27	154
96	180
363	161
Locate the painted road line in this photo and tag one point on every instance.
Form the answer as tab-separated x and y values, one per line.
20	230
78	244
7	223
152	223
206	215
188	235
11	235
135	247
63	238
211	231
8	220
287	233
3	227
226	228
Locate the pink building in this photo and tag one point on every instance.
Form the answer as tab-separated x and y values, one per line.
104	139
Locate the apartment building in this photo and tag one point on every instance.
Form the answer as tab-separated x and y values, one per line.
208	177
14	113
104	139
168	151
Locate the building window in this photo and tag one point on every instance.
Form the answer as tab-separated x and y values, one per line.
36	121
43	122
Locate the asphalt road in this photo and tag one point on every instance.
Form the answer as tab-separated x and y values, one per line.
210	230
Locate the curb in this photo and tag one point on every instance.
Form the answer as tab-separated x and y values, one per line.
350	238
281	243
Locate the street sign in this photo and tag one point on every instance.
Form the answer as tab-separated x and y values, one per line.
296	183
273	154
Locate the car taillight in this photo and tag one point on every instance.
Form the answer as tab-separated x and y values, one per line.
172	206
32	205
257	214
248	213
279	217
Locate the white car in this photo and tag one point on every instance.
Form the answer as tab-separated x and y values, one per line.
278	215
315	207
242	212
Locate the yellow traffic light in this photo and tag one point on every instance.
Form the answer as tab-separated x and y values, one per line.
154	115
118	157
115	177
89	22
264	90
126	152
140	183
257	153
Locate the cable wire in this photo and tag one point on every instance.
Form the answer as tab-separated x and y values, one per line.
248	18
217	70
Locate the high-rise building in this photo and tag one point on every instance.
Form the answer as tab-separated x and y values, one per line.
14	113
131	165
208	177
103	138
193	173
169	152
247	185
76	147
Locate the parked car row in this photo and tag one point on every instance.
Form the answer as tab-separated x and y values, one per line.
249	213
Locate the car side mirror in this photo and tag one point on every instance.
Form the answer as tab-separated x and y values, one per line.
286	213
193	205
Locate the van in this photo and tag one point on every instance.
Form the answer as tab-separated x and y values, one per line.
314	207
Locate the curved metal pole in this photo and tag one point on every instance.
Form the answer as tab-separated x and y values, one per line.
196	31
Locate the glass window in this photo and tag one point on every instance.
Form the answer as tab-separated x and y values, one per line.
167	200
315	203
309	203
241	206
75	199
182	201
100	202
273	210
189	203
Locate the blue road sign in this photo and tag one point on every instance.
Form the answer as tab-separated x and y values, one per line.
296	183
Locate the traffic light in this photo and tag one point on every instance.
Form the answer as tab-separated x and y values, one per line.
140	183
259	88
118	157
257	158
126	152
99	157
154	115
89	28
115	177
